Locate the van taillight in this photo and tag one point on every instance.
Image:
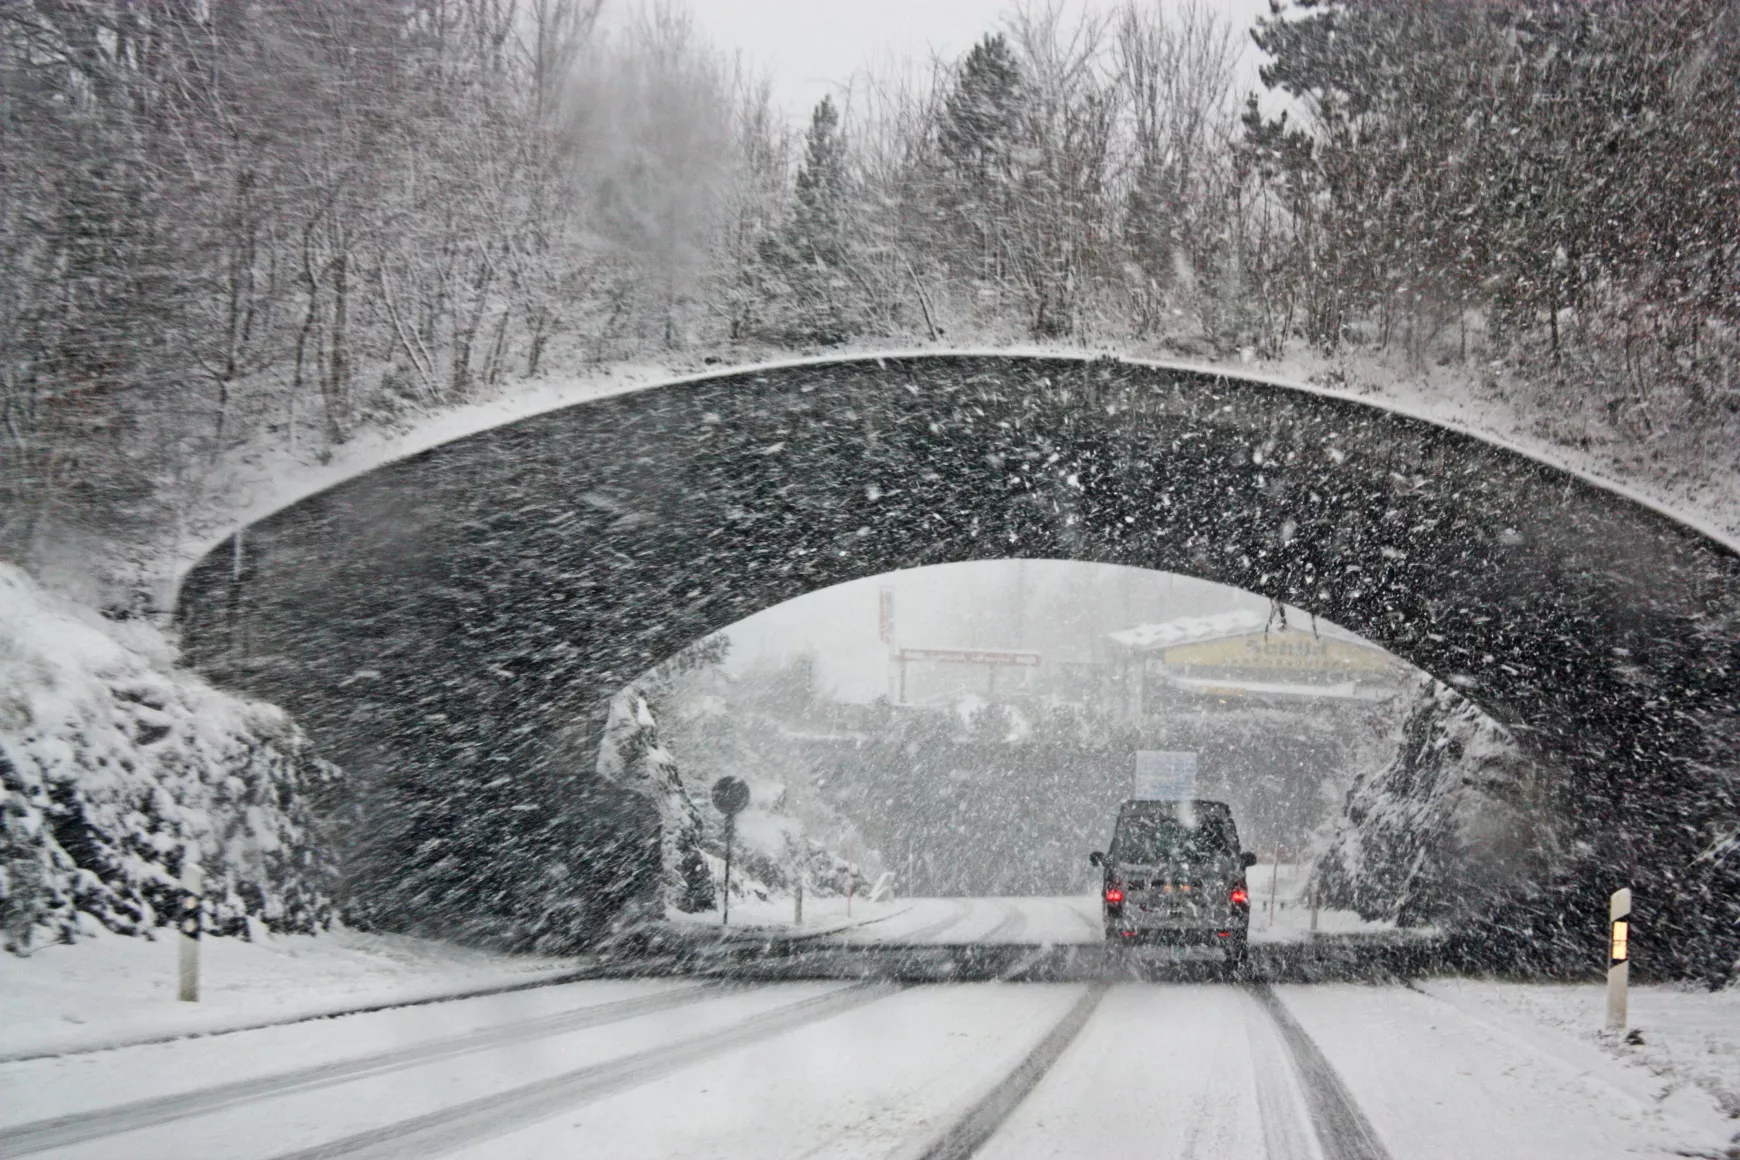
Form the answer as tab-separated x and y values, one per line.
1114	895
1240	897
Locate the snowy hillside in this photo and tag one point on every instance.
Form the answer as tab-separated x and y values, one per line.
113	763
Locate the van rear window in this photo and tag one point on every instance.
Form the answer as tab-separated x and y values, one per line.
1159	838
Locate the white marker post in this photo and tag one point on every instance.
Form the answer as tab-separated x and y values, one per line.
1274	881
851	868
192	882
1618	958
797	918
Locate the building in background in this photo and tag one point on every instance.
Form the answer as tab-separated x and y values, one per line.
1240	658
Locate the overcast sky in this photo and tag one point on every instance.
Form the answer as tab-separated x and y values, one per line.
809	48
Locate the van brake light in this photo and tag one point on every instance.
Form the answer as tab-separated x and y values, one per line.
1114	895
1240	897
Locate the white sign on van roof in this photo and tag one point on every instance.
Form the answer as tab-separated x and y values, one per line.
1165	775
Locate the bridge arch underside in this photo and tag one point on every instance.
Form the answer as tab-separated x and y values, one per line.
453	615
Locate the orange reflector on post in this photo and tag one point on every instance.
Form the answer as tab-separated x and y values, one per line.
1621	934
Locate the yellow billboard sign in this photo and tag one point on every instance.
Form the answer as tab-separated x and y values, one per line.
1281	650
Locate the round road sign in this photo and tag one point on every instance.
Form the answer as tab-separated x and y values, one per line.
730	795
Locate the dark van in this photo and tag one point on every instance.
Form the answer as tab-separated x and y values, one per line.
1175	874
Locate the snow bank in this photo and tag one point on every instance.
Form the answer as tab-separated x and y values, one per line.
1452	820
111	991
113	763
1682	1036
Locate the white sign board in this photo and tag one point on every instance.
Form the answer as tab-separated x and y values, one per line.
1165	776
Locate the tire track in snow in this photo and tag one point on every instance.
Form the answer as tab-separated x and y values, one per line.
1342	1129
967	1134
79	1127
1009	928
488	1116
1095	927
1287	1130
958	911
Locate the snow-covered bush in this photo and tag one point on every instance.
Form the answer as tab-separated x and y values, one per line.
113	763
1454	819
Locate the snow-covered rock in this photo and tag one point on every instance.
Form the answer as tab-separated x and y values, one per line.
1454	819
630	756
114	764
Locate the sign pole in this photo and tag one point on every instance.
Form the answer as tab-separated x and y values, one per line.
1618	958
730	832
192	883
730	796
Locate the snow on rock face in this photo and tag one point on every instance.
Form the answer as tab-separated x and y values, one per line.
773	852
113	763
789	833
630	756
1452	820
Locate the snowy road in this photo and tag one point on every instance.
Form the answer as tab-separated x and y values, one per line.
675	1068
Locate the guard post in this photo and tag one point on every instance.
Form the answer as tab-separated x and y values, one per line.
192	884
1618	957
730	795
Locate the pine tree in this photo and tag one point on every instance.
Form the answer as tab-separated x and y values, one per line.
818	226
976	142
811	253
981	115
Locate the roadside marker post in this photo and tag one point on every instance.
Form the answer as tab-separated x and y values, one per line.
192	883
1274	881
797	918
730	795
851	869
1618	958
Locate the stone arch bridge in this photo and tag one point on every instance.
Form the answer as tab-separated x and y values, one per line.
445	620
